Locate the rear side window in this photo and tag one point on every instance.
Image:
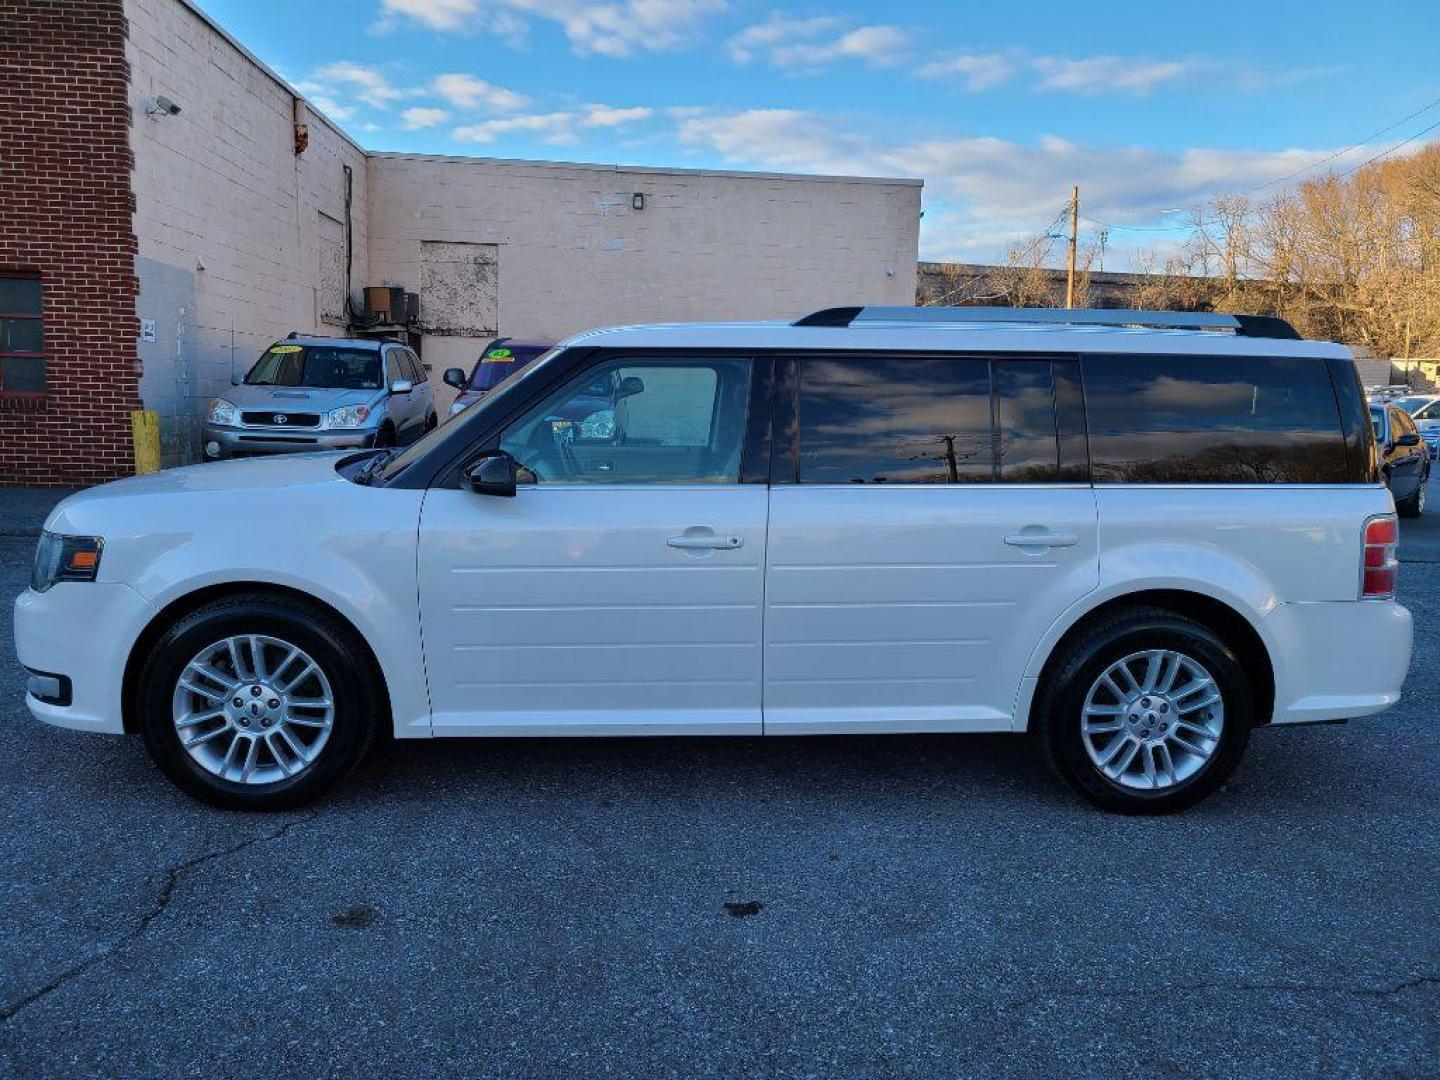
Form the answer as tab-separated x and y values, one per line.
1213	419
939	420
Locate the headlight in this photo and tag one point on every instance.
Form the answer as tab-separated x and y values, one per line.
65	558
222	412
349	416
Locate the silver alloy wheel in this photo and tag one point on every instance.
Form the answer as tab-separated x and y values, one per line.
253	709
1420	495
1152	719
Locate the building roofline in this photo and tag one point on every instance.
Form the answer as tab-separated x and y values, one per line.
200	13
466	159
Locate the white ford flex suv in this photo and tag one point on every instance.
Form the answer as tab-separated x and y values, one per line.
1134	535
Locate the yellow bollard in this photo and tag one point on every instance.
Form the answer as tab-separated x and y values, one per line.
145	426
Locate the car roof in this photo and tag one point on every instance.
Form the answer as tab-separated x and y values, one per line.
362	343
980	337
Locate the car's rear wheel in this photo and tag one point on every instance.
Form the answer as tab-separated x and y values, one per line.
258	702
1147	712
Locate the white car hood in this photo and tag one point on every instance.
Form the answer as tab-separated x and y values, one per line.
274	472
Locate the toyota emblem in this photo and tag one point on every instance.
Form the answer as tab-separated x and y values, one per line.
281	418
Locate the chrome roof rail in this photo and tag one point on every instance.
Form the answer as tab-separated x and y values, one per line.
1258	326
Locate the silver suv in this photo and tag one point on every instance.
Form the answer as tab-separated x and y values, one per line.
314	393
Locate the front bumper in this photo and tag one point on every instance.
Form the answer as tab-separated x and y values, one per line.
229	441
1338	660
79	634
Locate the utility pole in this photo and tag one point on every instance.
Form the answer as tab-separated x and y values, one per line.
1074	229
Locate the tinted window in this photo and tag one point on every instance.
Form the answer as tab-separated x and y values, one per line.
499	361
897	420
939	420
628	422
1212	419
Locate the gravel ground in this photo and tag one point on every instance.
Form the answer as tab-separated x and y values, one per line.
898	906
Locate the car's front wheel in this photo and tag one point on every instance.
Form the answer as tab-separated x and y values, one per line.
1147	712
258	702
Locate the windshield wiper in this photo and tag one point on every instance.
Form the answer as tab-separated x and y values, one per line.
366	473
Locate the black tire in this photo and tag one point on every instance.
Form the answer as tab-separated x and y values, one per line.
385	437
358	693
1057	716
1414	506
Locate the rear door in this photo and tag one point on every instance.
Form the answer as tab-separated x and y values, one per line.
931	518
620	591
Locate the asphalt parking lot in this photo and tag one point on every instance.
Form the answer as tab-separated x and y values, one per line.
901	906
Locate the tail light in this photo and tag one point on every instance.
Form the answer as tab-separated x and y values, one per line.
1378	561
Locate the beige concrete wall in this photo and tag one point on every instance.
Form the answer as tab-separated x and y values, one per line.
240	239
569	251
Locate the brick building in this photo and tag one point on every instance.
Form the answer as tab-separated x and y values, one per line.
174	206
69	372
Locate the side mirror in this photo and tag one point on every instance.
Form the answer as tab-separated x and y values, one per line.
494	474
454	377
401	386
630	385
1408	439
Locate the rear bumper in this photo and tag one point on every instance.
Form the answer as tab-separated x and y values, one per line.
1338	660
74	640
229	441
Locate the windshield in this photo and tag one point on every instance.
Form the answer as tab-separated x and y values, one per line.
1412	405
493	400
500	362
331	366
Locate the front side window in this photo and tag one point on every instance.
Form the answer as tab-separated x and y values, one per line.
1213	419
638	421
329	366
22	336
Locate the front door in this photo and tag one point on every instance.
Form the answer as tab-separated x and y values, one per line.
934	519
621	590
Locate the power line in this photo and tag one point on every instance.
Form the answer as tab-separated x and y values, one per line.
1397	146
1341	153
1291	175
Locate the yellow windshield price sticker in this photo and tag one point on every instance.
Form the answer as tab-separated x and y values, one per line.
499	354
284	348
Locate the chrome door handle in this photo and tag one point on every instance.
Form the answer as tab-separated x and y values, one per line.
1042	538
692	542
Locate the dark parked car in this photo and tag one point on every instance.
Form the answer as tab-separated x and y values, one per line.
499	360
1404	458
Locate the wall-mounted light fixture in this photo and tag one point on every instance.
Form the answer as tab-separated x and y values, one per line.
162	107
637	201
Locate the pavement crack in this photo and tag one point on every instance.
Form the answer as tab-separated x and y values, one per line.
1238	987
158	908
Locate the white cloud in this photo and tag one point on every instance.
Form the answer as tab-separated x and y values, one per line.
990	192
617	28
555	128
417	118
468	92
607	116
1102	74
437	14
811	43
975	71
365	83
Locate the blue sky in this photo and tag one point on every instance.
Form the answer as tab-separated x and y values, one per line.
1150	107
